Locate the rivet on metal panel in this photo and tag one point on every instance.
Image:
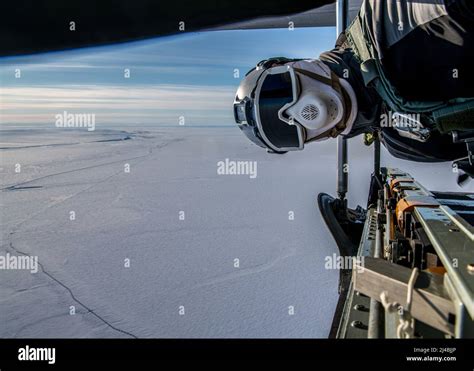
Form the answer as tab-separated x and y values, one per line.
470	268
361	308
359	325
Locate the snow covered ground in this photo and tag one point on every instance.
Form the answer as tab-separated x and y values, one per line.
170	248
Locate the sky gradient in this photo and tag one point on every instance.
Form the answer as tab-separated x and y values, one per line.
189	75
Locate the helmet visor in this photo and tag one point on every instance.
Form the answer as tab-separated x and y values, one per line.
276	91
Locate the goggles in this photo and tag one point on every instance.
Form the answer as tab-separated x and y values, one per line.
276	89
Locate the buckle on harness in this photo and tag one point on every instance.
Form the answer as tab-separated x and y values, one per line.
468	138
470	151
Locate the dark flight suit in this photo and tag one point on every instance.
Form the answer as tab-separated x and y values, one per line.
426	48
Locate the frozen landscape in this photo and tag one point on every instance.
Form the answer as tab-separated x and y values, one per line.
160	244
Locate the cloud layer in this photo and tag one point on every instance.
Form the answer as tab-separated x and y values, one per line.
162	104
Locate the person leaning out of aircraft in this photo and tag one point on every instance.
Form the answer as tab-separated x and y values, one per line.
402	71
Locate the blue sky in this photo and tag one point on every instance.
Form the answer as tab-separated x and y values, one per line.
190	75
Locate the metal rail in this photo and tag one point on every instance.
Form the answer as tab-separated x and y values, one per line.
342	168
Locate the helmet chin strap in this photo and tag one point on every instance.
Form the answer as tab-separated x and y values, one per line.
347	104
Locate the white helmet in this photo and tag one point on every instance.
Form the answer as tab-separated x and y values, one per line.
283	104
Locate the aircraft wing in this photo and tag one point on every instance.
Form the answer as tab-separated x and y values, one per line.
45	25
